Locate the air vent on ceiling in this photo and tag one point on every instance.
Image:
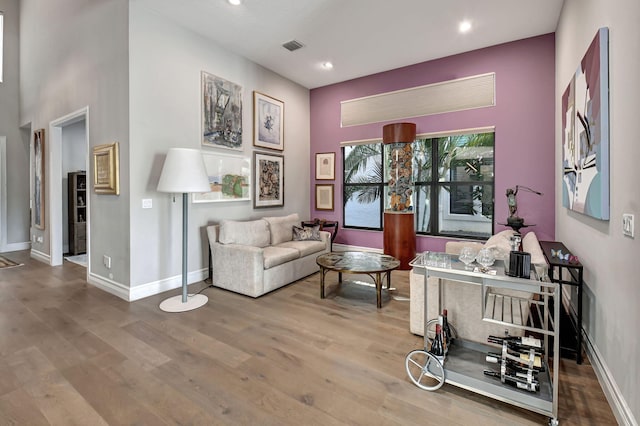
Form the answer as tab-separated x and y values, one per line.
292	45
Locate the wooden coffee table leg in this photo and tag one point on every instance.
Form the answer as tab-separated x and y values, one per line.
379	289
388	280
322	274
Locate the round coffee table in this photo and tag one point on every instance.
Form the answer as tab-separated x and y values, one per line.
358	262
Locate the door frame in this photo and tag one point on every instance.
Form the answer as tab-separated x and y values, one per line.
55	184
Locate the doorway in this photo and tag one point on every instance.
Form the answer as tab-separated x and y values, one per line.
68	152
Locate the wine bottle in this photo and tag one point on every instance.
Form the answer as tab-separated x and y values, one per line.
445	340
446	329
437	349
526	342
519	359
517	382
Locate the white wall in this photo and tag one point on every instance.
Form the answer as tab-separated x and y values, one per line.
15	225
611	314
165	66
74	54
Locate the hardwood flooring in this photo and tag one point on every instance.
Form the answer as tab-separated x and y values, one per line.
73	354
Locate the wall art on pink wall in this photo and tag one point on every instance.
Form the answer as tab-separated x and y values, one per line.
585	135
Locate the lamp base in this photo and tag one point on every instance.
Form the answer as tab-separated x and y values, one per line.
174	304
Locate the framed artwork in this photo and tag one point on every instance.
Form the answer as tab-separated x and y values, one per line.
38	178
324	196
269	180
585	135
106	169
268	122
326	166
221	112
229	178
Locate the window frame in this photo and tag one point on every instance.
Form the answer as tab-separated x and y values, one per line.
433	184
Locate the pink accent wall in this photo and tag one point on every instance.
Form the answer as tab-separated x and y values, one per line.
523	118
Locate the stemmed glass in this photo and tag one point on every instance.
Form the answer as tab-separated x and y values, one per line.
467	256
485	258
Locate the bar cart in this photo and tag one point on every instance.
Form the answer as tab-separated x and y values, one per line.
465	361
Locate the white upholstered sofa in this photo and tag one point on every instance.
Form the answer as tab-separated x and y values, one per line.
463	301
258	256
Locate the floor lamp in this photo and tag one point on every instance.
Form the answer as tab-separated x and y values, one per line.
184	172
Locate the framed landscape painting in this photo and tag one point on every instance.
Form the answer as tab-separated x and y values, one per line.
229	178
221	113
269	180
268	125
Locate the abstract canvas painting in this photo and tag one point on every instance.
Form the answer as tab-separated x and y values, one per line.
269	176
221	113
585	135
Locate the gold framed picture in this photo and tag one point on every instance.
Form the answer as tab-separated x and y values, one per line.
38	178
324	196
106	169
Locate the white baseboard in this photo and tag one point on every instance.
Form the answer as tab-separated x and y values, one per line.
345	247
110	286
157	287
42	257
15	247
619	406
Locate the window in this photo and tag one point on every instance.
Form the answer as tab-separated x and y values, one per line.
453	184
1	43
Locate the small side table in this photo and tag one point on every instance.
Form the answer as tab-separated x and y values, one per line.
330	226
575	272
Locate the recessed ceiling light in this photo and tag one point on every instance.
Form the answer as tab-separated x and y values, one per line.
234	2
464	26
327	65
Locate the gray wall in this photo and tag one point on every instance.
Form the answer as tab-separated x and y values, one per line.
16	223
165	66
611	260
73	54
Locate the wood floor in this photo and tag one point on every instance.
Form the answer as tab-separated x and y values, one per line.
71	354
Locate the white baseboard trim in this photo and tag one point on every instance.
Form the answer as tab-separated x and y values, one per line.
345	247
42	257
157	287
15	247
110	286
619	406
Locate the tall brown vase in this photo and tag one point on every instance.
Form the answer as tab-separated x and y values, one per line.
399	230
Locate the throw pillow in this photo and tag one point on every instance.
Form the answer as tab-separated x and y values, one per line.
281	227
307	233
500	243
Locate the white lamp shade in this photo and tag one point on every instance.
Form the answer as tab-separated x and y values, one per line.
183	172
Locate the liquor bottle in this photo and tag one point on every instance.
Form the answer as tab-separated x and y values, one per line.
445	340
437	349
518	360
446	329
517	382
524	343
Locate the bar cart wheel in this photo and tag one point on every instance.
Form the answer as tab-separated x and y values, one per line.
425	370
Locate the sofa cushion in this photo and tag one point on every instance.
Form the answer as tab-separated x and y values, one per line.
531	245
248	233
274	256
306	233
281	227
305	248
500	243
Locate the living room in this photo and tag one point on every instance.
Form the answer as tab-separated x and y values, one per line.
138	74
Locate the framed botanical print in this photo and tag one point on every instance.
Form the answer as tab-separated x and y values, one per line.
326	166
106	169
324	196
269	180
38	178
268	122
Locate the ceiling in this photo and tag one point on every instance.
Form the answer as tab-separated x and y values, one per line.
360	37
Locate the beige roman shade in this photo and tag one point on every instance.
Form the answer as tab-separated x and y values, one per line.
447	96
